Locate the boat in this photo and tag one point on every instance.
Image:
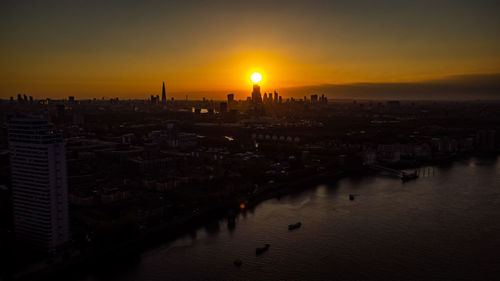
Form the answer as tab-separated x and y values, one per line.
259	251
351	197
294	226
237	262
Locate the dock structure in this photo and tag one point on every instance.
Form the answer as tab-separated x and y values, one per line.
404	176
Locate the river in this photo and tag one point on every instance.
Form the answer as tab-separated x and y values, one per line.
443	226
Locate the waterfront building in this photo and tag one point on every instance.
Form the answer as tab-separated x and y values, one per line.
39	182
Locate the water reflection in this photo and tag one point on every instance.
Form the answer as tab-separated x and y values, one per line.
439	227
212	226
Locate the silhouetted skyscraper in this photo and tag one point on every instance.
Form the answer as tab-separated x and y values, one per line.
163	94
39	181
256	97
230	98
323	99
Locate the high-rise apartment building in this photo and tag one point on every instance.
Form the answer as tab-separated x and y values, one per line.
39	181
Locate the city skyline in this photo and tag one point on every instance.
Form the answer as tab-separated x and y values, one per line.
249	140
122	49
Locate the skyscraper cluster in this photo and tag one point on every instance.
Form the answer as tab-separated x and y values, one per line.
268	98
23	98
156	99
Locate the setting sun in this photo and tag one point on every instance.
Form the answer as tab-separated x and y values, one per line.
256	77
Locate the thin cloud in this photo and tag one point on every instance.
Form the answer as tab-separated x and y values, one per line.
476	86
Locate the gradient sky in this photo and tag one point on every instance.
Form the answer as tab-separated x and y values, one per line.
126	48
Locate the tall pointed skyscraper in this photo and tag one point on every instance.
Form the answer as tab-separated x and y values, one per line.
163	94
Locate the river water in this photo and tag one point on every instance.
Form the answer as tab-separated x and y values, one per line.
443	226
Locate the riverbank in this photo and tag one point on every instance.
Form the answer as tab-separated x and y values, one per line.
440	160
97	259
442	226
163	233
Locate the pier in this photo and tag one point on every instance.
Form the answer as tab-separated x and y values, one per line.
404	176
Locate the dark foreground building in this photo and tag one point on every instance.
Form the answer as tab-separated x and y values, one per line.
39	182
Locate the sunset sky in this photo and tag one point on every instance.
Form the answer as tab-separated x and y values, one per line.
209	48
